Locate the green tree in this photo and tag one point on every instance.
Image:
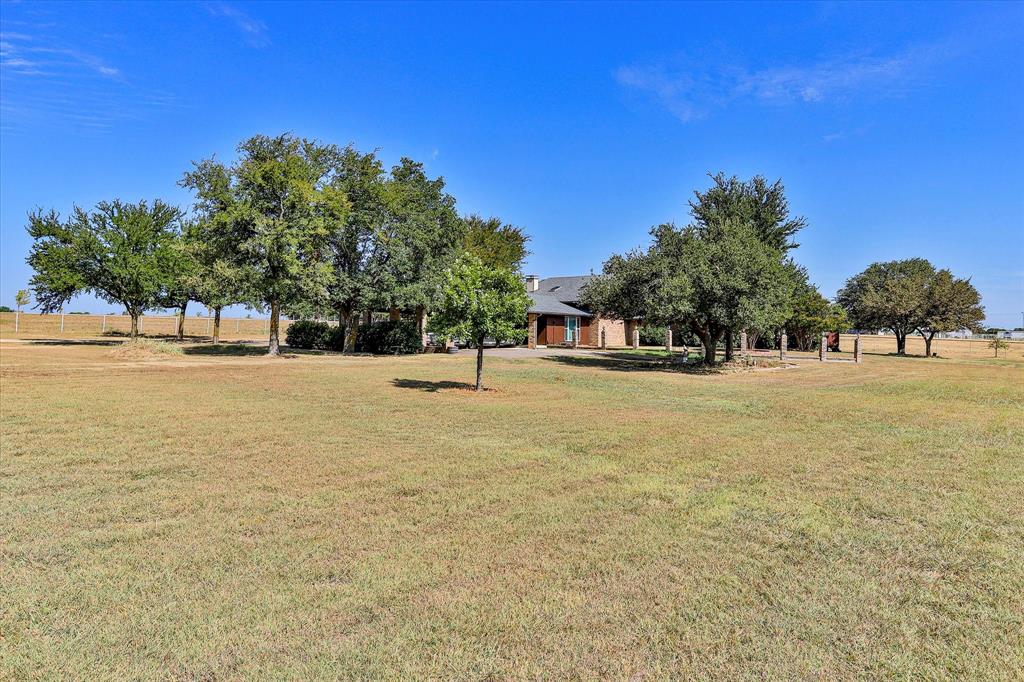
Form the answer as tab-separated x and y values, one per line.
708	279
950	304
121	252
180	287
22	299
214	279
418	241
277	233
812	315
890	295
480	302
354	212
496	244
755	202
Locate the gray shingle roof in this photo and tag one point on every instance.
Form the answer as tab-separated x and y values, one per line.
565	289
546	304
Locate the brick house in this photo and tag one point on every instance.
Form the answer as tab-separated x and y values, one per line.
556	317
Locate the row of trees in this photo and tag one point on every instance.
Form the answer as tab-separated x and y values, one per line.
908	296
731	270
293	226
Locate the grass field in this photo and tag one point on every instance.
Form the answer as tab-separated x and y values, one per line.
220	515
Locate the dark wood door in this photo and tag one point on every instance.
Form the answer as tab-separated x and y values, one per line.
555	330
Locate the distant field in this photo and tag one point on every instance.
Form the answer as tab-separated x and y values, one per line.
34	325
222	515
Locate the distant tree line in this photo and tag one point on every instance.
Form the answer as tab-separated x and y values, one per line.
292	227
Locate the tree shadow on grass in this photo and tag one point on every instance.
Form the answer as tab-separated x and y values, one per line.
629	362
431	386
225	350
73	342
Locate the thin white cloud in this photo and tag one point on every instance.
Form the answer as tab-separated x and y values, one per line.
253	30
48	81
693	88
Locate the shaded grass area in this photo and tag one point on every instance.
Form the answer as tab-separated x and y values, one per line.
369	517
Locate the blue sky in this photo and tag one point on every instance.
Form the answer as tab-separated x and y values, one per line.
897	129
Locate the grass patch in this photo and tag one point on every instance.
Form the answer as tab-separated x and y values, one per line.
230	516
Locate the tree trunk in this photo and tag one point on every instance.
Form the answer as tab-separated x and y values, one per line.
928	344
710	343
901	343
421	323
728	345
135	324
480	364
274	347
181	321
216	325
350	321
394	314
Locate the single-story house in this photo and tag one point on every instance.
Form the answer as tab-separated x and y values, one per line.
557	318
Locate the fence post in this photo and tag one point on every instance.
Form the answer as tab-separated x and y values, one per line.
668	339
604	338
858	350
16	316
823	348
743	344
636	338
103	329
783	343
62	323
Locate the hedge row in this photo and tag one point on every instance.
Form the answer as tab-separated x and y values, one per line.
398	337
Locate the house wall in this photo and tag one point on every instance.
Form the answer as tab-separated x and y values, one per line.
614	332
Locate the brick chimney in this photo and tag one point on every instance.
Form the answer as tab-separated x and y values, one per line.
532	283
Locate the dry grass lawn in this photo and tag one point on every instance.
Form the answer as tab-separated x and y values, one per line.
223	516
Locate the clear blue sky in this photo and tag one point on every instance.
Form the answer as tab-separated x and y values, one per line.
897	129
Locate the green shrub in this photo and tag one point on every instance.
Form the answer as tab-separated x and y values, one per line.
651	335
310	334
398	337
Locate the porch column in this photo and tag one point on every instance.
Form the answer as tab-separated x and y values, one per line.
531	339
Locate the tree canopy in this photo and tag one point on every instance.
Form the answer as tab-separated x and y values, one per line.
908	296
755	202
266	205
480	302
122	252
496	244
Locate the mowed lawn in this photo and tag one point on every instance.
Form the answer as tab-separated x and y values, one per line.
225	517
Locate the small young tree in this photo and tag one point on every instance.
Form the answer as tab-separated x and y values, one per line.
22	299
998	344
480	302
123	253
